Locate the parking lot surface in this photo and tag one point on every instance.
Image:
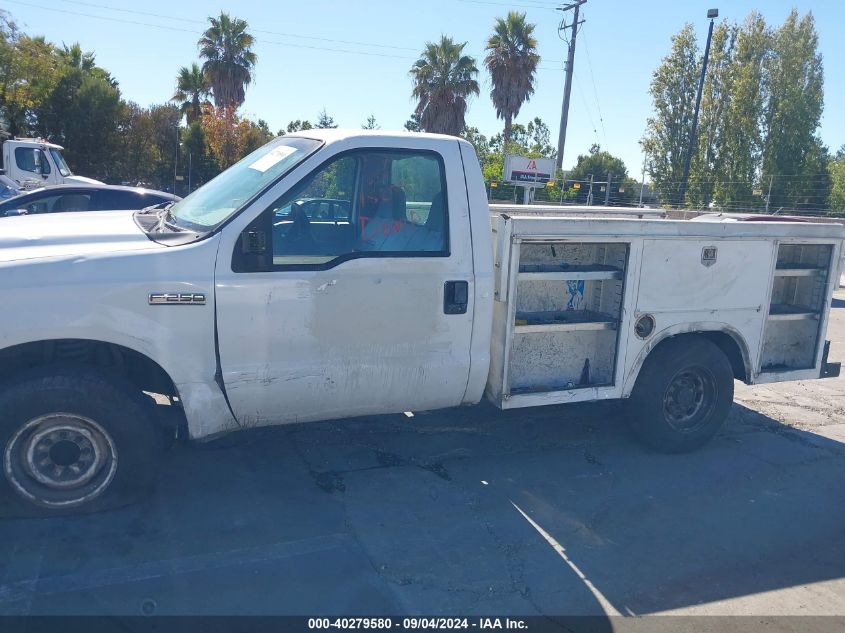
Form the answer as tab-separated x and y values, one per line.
554	510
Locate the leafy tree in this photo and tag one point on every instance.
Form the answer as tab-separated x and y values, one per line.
229	62
192	90
230	137
707	156
28	73
444	80
673	89
74	57
202	164
82	113
599	164
139	154
740	138
413	124
324	121
793	111
836	200
371	123
296	126
512	60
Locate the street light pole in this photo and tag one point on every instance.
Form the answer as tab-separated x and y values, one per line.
682	192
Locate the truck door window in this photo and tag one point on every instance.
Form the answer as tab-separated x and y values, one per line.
371	203
31	159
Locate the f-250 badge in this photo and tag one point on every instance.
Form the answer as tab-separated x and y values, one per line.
177	298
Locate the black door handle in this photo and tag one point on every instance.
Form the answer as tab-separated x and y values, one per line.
455	297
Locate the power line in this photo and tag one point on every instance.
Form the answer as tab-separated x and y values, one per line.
595	91
508	4
587	108
255	30
174	28
264	41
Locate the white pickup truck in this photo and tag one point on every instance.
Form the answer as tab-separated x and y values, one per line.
334	274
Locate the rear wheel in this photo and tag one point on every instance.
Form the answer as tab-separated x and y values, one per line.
682	396
75	440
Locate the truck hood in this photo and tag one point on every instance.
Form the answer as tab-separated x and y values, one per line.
82	180
71	234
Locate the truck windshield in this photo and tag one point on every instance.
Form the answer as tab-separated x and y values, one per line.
212	204
61	165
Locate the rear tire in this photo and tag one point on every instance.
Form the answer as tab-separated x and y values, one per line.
75	440
682	395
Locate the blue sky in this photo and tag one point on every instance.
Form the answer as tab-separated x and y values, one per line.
375	42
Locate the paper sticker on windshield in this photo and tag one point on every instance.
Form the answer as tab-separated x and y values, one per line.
271	158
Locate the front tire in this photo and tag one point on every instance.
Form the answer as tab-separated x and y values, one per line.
75	440
682	395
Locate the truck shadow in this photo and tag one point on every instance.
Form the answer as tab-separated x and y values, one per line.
470	511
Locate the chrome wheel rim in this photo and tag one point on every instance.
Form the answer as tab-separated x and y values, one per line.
689	398
60	460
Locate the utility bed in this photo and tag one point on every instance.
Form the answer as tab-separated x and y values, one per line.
580	301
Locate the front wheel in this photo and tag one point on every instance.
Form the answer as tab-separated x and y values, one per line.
75	440
682	396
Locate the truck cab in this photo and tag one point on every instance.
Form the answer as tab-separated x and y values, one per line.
34	163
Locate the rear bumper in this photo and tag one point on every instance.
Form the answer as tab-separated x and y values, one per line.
829	370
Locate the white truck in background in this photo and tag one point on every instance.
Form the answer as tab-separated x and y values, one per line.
338	273
34	163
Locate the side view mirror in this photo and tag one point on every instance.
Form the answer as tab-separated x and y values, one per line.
12	212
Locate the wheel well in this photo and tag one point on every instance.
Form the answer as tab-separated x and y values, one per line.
728	344
138	369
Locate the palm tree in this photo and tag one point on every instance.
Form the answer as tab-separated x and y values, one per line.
229	61
192	90
512	60
75	57
444	79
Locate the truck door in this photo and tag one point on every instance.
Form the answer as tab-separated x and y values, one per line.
31	163
352	292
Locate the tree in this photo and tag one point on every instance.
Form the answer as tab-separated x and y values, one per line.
793	111
413	123
444	80
74	57
296	126
836	200
324	121
230	137
673	89
512	60
83	113
28	73
229	64
371	123
716	97
740	139
192	90
598	164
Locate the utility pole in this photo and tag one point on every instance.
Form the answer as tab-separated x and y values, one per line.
590	193
607	189
570	65
712	14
